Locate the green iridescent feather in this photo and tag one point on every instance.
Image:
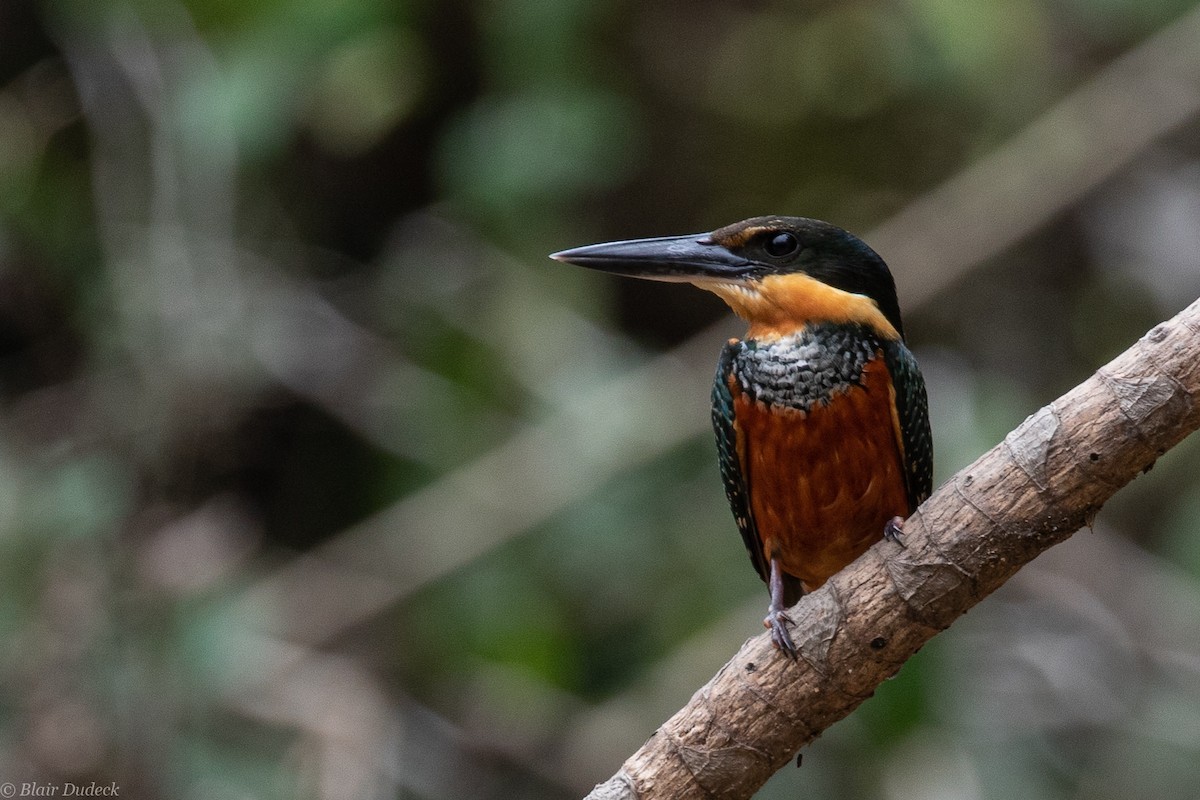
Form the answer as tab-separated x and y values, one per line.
731	469
912	410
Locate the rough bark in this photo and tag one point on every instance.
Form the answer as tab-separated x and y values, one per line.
1047	479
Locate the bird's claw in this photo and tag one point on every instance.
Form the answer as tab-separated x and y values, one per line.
777	622
893	530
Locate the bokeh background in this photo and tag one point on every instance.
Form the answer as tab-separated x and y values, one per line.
319	480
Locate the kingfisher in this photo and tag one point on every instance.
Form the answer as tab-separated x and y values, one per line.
819	410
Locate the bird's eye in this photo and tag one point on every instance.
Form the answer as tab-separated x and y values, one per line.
783	244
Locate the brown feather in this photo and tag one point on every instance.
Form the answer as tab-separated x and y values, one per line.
823	483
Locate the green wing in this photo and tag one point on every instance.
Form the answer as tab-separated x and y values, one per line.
731	466
912	410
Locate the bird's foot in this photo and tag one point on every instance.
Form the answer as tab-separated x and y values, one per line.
893	530
777	621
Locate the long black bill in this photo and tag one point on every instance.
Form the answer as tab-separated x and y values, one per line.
664	258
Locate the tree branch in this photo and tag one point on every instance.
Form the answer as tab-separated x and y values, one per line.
1047	479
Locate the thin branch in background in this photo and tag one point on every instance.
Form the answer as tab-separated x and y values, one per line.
1083	140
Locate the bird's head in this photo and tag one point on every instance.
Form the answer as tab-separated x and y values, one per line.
778	273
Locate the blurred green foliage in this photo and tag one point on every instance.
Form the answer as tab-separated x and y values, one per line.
317	479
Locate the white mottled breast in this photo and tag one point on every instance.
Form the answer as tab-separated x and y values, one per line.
808	367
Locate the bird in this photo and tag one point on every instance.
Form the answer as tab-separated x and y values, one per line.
820	410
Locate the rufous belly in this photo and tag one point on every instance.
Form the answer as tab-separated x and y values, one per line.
823	482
